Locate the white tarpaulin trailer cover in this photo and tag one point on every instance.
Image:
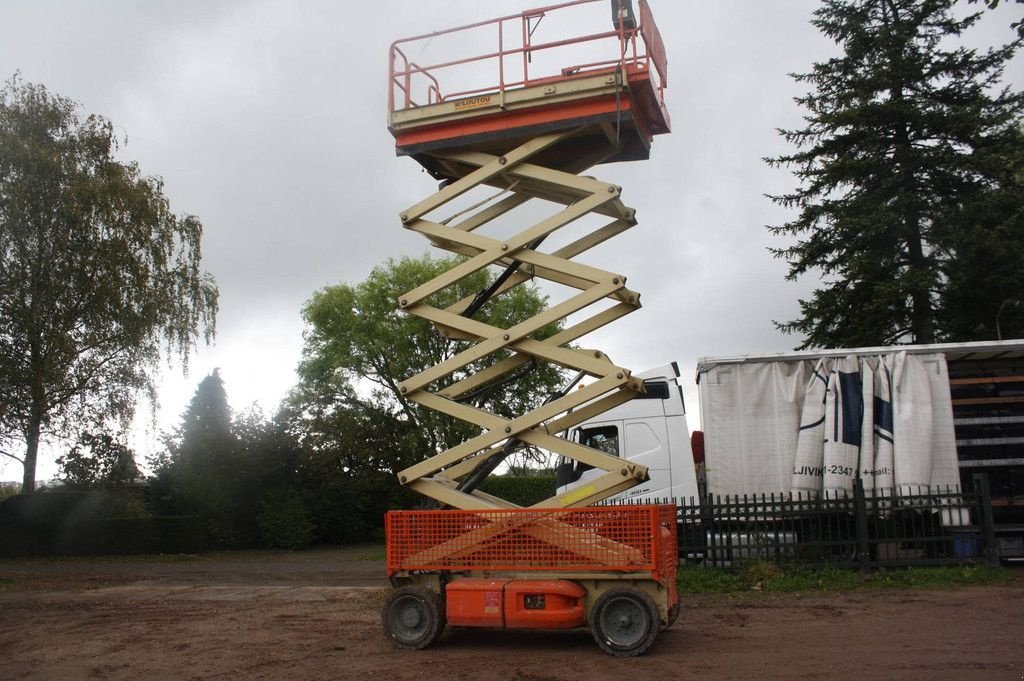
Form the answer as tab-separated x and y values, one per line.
814	424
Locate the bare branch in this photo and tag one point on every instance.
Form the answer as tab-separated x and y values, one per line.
12	456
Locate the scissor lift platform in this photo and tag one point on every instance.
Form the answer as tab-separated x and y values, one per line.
617	99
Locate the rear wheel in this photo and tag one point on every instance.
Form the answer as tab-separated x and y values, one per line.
624	621
413	617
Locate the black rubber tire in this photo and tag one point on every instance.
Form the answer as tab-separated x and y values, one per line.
624	621
413	617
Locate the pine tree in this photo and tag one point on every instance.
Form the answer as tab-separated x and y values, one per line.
205	431
201	472
984	287
906	164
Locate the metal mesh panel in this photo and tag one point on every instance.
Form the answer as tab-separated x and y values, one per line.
668	555
620	539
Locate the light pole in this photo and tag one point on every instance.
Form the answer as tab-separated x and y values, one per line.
1013	302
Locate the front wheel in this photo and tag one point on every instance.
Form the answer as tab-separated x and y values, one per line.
624	621
413	617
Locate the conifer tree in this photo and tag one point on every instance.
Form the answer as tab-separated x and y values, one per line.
205	431
909	160
201	472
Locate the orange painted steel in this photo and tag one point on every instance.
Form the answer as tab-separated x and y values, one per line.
650	118
639	54
402	70
561	606
655	45
475	603
515	604
627	539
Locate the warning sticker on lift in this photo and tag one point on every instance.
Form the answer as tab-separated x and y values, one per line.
473	102
492	602
577	494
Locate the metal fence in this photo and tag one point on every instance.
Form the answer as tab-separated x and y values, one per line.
912	527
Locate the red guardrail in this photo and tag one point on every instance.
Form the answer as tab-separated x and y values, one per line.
411	85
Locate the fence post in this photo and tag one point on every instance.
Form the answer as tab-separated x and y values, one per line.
988	526
706	516
860	507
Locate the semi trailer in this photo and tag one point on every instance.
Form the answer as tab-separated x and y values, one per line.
904	420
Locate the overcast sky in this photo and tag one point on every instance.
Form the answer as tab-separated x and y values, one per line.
267	119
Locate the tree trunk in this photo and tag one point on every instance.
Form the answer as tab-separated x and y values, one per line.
28	482
35	418
922	324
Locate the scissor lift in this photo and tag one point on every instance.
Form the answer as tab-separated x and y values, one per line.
529	137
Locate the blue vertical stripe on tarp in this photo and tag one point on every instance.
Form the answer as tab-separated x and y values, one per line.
853	407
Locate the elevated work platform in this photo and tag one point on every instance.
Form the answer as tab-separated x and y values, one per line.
527	117
606	87
473	124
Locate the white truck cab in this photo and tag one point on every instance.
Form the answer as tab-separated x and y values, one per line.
649	430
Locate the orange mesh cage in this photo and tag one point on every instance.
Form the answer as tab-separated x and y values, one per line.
610	538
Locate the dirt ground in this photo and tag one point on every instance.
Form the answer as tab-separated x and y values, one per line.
314	615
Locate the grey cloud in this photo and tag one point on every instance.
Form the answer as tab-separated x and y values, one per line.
267	120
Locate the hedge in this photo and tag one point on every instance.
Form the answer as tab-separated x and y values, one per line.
75	523
523	491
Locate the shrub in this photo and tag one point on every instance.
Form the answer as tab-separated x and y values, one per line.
285	522
9	489
92	523
524	491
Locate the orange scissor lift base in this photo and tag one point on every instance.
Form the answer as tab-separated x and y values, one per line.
537	568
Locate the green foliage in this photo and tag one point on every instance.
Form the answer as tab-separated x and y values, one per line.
346	454
93	522
909	170
205	430
201	472
357	333
266	463
97	460
985	278
323	470
521	490
228	469
347	495
355	442
8	490
298	478
770	577
285	521
97	275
